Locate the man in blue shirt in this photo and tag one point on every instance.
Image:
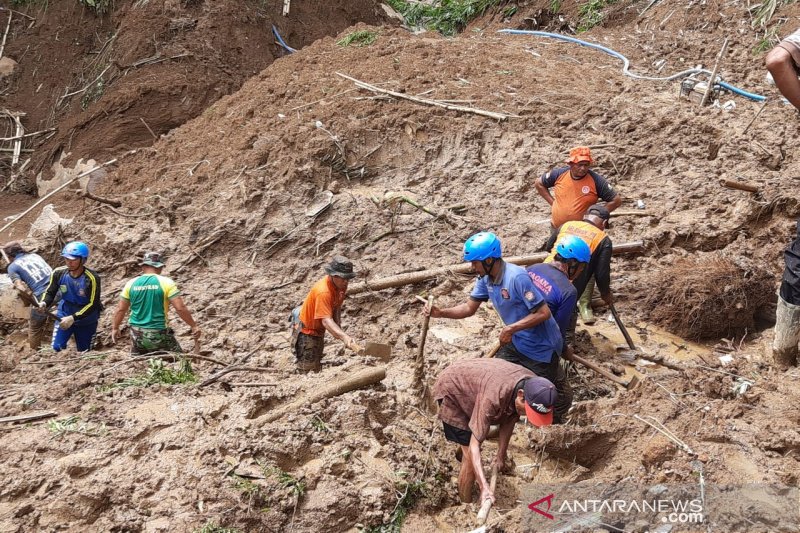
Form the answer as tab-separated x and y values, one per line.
531	337
80	305
30	274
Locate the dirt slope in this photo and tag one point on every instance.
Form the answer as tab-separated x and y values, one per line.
226	196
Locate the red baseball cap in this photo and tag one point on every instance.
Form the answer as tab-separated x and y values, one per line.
540	396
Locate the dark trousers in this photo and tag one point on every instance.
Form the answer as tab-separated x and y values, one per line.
552	371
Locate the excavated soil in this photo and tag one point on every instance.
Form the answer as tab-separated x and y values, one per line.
228	194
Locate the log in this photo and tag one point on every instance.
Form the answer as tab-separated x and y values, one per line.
739	185
410	278
90	196
486	505
30	417
365	378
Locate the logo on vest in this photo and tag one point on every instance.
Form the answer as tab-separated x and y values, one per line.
585	189
504	294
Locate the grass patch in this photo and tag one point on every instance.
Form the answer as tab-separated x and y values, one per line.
358	38
591	13
286	480
768	41
73	424
158	372
319	425
448	17
555	6
410	494
212	527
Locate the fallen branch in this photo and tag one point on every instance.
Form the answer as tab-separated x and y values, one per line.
365	378
740	185
32	134
222	372
712	80
5	34
232	384
661	360
631	213
90	196
51	193
67	95
661	428
426	101
29	417
465	268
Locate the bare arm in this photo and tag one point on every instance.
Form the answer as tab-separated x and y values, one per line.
543	191
463	310
506	430
477	466
119	315
533	319
334	329
615	203
185	314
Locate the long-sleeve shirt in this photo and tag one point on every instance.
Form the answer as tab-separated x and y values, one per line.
80	297
599	244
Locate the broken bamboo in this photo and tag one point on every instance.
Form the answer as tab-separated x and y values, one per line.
365	378
465	268
740	185
426	101
5	34
29	417
486	506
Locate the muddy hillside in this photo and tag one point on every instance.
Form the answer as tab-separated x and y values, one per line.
391	147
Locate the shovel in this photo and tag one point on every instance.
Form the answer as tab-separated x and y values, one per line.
376	349
633	382
633	349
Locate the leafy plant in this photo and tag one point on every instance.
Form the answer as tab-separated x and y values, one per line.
99	6
358	38
319	425
411	493
212	527
286	480
73	424
769	40
448	17
591	13
158	372
555	6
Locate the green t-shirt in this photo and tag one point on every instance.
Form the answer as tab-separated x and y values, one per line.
149	295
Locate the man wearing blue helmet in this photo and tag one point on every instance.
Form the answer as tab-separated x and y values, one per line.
531	337
80	305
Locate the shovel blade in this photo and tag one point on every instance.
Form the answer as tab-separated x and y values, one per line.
379	350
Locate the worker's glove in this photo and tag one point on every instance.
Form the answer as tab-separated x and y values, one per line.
66	322
42	307
357	348
196	332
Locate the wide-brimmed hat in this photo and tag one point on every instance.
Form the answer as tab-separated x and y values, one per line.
540	396
153	259
340	266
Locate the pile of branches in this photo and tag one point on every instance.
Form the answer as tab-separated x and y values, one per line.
709	296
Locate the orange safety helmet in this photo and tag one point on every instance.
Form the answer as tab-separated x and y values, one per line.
580	153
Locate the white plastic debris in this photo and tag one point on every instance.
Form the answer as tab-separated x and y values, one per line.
726	359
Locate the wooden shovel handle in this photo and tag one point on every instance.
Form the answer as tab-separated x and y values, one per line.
624	331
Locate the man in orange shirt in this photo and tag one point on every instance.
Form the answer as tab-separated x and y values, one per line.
576	188
322	311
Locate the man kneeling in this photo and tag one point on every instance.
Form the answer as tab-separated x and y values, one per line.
477	393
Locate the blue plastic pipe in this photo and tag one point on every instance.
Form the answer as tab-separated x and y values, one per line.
280	40
626	64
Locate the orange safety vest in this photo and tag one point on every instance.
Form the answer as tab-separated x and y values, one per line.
585	231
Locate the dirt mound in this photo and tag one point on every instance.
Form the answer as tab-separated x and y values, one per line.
122	79
709	295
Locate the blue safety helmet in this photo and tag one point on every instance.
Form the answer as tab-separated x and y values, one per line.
482	246
572	247
75	250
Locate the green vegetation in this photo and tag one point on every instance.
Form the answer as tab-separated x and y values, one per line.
99	6
555	6
411	493
358	38
448	17
592	13
286	480
319	425
762	13
212	527
158	372
73	424
769	40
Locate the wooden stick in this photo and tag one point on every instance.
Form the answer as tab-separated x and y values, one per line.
67	95
426	101
495	348
419	371
465	268
714	73
51	193
486	506
631	213
5	35
365	378
148	129
90	196
18	143
760	109
232	384
742	186
32	134
29	417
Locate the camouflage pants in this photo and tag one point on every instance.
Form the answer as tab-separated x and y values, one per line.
153	340
39	325
308	351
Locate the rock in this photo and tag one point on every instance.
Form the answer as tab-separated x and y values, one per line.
657	451
7	67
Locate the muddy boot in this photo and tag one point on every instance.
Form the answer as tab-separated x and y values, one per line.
585	304
787	334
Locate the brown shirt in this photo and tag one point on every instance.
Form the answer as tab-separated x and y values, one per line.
477	393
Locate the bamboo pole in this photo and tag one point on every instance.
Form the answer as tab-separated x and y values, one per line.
486	506
5	34
714	73
465	268
365	378
51	193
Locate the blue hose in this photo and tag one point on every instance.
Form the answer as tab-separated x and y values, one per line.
626	63
280	40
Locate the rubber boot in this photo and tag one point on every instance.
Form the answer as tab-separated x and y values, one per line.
585	303
787	334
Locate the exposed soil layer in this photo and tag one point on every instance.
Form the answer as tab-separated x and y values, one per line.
227	197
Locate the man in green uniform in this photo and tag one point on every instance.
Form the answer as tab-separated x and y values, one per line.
148	297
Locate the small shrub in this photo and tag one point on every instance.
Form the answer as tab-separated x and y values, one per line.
448	17
73	424
359	38
158	372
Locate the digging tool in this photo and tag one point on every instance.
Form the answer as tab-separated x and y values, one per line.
486	506
30	300
494	350
624	331
379	350
420	369
633	382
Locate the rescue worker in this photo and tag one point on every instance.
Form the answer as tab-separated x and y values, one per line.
575	188
322	311
787	323
783	64
554	282
476	393
531	337
590	230
149	297
80	304
30	275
